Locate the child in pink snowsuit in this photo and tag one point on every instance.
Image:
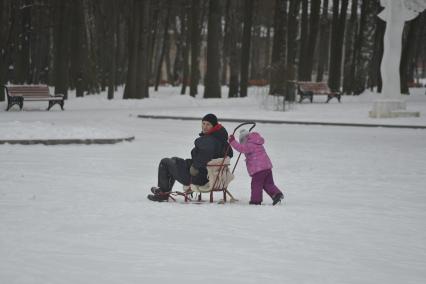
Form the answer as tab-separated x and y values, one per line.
259	166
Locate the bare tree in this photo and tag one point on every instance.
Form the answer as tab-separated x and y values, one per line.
245	49
78	48
134	33
303	48
349	66
292	28
375	78
61	47
255	44
112	47
364	44
226	43
312	40
234	51
7	22
212	81
408	56
153	39
142	85
163	47
279	46
22	66
337	35
138	69
324	42
195	46
186	45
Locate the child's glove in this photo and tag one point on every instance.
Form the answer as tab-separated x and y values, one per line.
193	171
231	138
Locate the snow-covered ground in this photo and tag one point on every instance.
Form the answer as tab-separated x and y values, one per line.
354	211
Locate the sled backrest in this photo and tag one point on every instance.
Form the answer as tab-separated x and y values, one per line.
218	174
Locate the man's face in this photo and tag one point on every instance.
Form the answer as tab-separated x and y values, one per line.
206	126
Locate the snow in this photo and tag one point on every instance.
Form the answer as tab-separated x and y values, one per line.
354	209
49	130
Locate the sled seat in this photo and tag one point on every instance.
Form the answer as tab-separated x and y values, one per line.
219	177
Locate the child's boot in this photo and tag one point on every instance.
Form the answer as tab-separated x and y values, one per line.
277	198
255	203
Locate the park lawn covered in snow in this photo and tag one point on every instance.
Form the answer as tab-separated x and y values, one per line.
354	209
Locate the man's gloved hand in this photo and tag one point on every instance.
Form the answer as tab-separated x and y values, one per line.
231	138
193	171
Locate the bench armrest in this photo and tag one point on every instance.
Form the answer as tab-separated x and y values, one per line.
5	90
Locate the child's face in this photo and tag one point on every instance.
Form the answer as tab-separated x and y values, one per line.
243	139
206	126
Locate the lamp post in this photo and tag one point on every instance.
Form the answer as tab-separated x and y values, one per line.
395	14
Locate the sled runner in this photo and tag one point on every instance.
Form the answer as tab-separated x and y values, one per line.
219	176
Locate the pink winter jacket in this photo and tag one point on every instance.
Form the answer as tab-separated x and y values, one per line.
256	158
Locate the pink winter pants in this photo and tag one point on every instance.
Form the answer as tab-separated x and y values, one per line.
262	180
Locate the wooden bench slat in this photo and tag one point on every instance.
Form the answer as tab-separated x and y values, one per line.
43	99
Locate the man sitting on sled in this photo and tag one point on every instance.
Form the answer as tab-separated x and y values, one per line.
212	144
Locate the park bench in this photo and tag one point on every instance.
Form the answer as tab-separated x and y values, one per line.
17	94
307	89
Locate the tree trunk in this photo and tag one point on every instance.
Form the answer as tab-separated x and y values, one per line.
254	65
324	42
195	47
179	26
279	45
168	61
22	66
212	81
364	45
40	44
267	53
163	50
226	43
349	70
313	38
113	18
122	56
134	33
234	62
78	48
8	11
245	49
338	29
186	47
292	47
153	51
142	85
303	50
94	62
408	53
420	48
61	50
375	76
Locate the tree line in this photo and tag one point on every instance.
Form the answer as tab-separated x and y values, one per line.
94	45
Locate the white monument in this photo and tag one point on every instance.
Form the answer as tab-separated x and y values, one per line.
395	14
